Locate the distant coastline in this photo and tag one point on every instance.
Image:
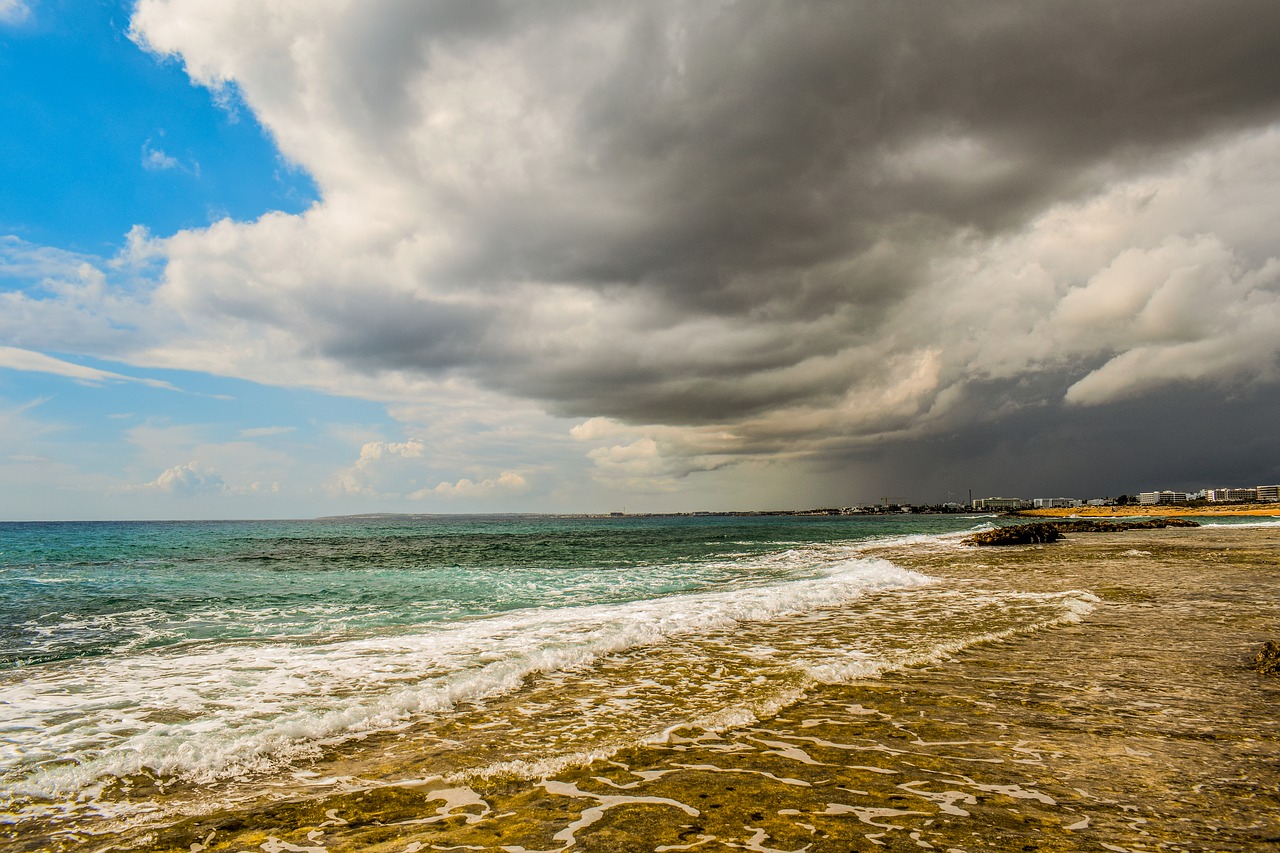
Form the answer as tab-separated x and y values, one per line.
1271	509
1128	510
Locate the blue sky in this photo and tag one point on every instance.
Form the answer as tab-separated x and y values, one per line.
97	136
261	258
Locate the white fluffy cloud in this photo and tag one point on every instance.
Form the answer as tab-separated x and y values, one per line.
380	467
505	484
187	480
403	470
1167	279
655	457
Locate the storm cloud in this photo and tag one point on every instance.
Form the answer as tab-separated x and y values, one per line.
747	230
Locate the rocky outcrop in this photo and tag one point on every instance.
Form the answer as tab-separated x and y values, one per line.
1051	531
1267	660
1018	534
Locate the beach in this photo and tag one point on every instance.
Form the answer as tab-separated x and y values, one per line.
1157	511
1090	694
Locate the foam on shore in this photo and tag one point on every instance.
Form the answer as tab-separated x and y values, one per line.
201	713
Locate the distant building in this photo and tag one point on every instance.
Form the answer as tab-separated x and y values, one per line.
1165	497
1231	495
1099	502
1268	494
1050	503
1000	503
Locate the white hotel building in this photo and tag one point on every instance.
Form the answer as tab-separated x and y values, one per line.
1231	495
1050	503
1165	497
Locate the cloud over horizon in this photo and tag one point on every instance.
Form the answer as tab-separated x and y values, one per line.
724	234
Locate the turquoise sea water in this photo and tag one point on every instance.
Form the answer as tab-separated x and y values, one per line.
213	649
222	657
77	590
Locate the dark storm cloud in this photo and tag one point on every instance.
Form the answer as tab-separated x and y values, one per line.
1185	438
804	225
771	140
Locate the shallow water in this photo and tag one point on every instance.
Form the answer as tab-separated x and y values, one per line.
1087	695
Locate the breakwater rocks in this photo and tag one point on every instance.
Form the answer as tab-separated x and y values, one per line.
1041	532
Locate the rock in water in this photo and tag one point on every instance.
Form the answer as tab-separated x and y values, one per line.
1051	531
1267	661
1018	534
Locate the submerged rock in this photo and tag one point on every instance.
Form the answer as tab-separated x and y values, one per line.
1267	660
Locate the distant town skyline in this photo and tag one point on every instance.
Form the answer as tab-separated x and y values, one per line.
267	259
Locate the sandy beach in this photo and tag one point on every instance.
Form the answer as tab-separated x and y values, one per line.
1263	510
1140	727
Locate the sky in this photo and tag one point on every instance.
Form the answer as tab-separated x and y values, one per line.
262	258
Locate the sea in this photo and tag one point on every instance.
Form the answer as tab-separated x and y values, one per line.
157	677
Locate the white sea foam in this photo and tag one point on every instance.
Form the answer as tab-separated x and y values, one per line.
1067	608
923	541
203	712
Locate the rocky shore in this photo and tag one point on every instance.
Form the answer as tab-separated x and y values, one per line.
1051	531
1142	727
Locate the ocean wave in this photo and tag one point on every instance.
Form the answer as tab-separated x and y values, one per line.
219	711
922	541
930	624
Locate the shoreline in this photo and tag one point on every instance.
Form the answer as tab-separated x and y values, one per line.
1258	510
1127	729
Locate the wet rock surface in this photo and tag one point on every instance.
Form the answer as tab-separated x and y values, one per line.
1135	730
1267	660
1036	533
